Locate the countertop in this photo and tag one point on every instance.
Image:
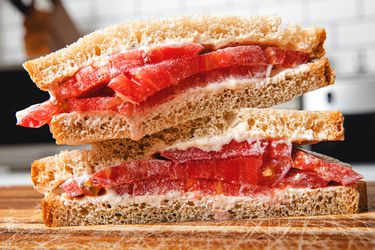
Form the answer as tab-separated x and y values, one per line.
21	227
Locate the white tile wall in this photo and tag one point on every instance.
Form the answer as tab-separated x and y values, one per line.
369	6
357	32
332	9
350	24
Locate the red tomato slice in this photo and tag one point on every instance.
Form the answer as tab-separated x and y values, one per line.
235	170
327	170
72	188
130	172
86	80
241	55
37	115
197	80
162	53
274	56
232	149
171	72
98	74
302	179
276	162
125	61
208	187
294	58
130	90
166	73
93	104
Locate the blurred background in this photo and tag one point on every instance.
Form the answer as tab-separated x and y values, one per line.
32	28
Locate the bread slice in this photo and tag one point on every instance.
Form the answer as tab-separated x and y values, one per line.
50	70
59	211
297	126
88	127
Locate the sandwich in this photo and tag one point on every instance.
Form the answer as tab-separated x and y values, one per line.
176	113
141	77
241	164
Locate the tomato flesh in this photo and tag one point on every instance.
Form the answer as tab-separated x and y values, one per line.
98	74
144	78
328	171
236	169
302	179
232	149
37	115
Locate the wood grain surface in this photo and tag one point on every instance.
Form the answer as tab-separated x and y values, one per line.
21	227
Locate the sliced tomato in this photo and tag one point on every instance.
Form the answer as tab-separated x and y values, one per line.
86	80
259	71
162	53
75	188
93	104
133	171
235	170
302	179
274	56
98	74
123	189
103	92
229	170
273	171
277	148
232	149
171	72
294	58
328	171
72	188
197	80
166	73
125	61
208	187
276	162
37	115
130	89
241	55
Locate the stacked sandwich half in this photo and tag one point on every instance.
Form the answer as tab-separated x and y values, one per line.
175	112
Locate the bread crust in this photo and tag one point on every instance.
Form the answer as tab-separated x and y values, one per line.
52	69
58	211
297	126
88	127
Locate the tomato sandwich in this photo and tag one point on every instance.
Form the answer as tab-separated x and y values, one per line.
176	113
138	78
238	165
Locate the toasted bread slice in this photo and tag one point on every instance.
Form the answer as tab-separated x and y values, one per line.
59	211
88	127
297	126
50	70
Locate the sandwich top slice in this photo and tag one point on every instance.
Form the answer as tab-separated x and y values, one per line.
234	166
138	78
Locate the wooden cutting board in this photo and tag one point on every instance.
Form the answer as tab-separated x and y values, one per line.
21	227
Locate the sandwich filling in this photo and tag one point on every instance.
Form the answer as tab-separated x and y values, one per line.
244	168
134	81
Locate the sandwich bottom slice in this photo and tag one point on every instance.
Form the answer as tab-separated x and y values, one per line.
237	171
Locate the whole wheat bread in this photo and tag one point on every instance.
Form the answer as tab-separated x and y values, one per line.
59	211
50	70
88	127
297	126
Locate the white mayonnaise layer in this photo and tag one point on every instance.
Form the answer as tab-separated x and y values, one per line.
219	201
